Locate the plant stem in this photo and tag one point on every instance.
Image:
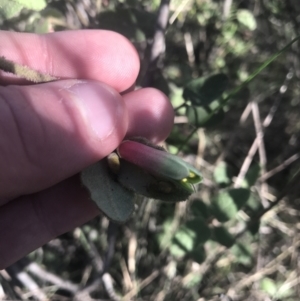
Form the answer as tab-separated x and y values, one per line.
24	71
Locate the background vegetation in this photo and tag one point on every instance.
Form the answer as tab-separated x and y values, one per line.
238	237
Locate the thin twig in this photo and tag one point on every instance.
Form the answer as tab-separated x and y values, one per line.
34	269
108	284
158	45
132	246
111	239
246	165
142	285
2	293
24	71
127	283
178	10
259	135
226	9
26	280
112	231
261	148
90	249
254	147
16	271
31	285
266	123
170	272
293	280
271	267
180	119
201	147
89	289
189	48
7	285
280	167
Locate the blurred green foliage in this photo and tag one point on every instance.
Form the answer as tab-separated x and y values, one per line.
10	9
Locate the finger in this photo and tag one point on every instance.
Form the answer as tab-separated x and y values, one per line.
150	114
30	221
62	207
90	54
52	131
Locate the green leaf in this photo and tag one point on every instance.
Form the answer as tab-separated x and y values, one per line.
254	204
254	227
183	242
31	4
200	209
165	236
136	179
193	281
252	175
203	116
284	291
243	253
198	254
222	236
221	173
190	236
269	286
114	200
228	202
203	91
11	8
176	98
246	18
200	228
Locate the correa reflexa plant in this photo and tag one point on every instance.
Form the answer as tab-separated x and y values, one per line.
136	167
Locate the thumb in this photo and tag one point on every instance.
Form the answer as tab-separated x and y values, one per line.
52	131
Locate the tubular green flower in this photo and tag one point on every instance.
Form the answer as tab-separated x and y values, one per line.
158	162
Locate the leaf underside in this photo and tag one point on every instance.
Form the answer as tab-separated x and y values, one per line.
115	201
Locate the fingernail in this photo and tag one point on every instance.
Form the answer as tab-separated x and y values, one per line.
100	106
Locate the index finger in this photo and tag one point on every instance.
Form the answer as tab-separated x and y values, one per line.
86	54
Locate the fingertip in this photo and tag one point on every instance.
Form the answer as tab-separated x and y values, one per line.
151	114
100	55
111	58
124	59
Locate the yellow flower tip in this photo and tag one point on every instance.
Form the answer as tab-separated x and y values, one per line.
113	161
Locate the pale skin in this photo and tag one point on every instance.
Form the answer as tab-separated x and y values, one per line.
50	132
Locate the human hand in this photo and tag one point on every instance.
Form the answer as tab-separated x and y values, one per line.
50	132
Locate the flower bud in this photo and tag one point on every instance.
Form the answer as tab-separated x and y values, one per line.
158	163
